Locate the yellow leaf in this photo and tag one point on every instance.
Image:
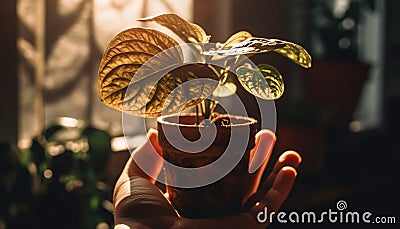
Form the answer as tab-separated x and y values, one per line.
296	53
124	57
236	38
188	32
170	91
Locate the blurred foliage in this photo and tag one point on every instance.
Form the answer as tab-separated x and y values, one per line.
57	182
335	28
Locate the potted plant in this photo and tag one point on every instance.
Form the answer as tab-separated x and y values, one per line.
147	73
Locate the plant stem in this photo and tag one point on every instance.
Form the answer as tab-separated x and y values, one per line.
209	106
197	115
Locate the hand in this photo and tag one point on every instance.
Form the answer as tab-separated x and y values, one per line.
140	204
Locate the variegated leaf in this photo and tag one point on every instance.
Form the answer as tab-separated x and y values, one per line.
296	53
254	45
265	81
235	39
125	56
251	45
168	92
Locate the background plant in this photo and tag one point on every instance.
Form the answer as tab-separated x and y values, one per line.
58	181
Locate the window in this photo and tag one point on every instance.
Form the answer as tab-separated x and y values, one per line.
60	44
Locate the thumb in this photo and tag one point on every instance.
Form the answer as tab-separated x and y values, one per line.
147	159
265	141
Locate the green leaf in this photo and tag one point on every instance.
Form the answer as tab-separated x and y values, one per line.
124	57
188	32
167	92
265	81
38	151
296	53
99	147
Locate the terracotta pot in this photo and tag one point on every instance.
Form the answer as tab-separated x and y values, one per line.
226	195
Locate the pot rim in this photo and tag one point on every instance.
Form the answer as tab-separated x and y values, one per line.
249	120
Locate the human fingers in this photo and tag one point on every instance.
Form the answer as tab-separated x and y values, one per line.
288	158
138	198
146	161
280	189
135	194
276	195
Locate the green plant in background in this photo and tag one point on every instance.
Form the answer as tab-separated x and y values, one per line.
58	182
335	28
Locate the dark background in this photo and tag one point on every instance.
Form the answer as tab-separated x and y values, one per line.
358	167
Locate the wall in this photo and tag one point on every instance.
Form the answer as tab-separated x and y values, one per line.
8	71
